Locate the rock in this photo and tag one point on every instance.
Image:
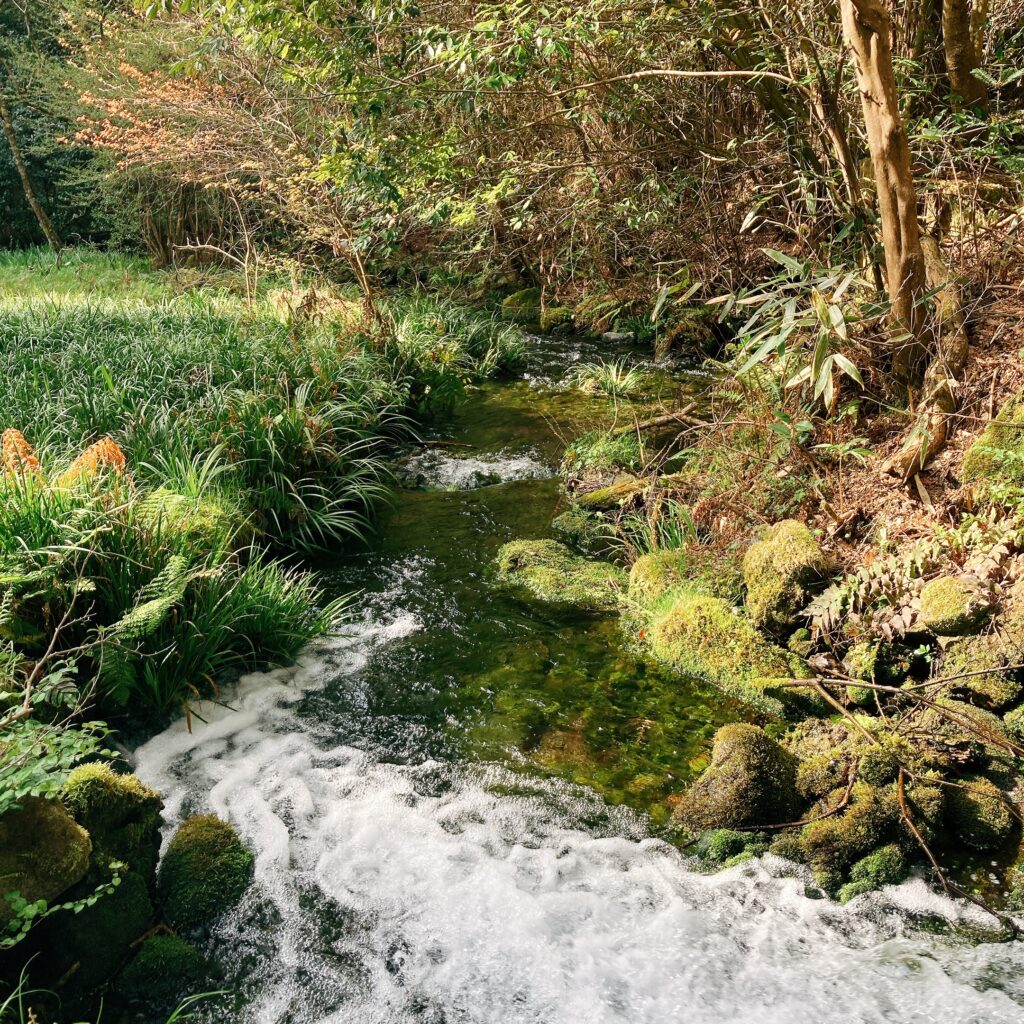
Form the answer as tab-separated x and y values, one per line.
780	572
552	572
165	970
886	866
995	462
953	606
615	495
618	337
978	814
1014	722
704	636
556	318
204	872
43	852
751	781
522	306
121	814
583	530
654	575
1004	647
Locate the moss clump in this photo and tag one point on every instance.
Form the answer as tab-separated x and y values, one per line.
995	689
556	318
886	866
978	814
165	970
204	872
953	606
522	306
704	636
552	572
780	571
996	459
614	496
597	451
120	812
654	575
834	844
205	522
583	530
43	852
751	781
1014	722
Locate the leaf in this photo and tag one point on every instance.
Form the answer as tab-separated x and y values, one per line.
848	368
782	259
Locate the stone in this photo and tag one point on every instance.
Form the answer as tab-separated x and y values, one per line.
780	572
953	606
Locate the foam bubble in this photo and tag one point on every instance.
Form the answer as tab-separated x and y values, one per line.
435	470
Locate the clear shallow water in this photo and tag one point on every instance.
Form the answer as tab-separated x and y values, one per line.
424	856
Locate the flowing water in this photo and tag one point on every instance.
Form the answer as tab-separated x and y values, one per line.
457	806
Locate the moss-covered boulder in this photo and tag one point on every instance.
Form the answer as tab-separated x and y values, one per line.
704	636
204	872
585	531
978	815
956	733
996	460
724	847
43	852
165	970
751	781
121	814
992	655
886	866
522	306
780	572
655	574
556	318
552	572
624	491
953	606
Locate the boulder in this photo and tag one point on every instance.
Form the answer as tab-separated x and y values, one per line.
556	318
522	306
655	574
43	852
165	970
995	462
978	814
953	606
751	781
780	572
886	866
552	572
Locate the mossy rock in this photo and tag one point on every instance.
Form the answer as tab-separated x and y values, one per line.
91	946
121	814
977	734
552	572
165	970
704	636
886	866
204	872
751	781
522	306
615	496
655	574
43	852
996	460
1014	722
780	572
583	530
691	329
978	815
837	842
556	318
953	606
995	689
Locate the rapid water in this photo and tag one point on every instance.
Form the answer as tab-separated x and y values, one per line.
423	858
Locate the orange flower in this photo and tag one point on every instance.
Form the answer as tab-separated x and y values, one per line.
104	455
17	453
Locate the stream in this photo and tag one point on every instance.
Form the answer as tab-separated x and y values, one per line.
458	805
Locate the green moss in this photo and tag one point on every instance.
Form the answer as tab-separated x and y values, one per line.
704	636
978	814
598	451
556	318
165	970
751	781
886	866
720	844
120	812
953	606
522	306
583	530
780	572
1014	721
209	524
654	575
801	643
955	725
995	689
839	841
204	872
996	459
615	495
43	852
552	572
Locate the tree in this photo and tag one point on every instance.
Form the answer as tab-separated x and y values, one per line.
961	22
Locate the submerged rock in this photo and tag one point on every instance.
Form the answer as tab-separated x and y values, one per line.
780	571
953	606
553	572
204	872
751	781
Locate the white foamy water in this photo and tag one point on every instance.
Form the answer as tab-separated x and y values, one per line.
466	894
435	470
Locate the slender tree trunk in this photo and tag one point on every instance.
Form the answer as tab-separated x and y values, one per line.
963	52
867	27
19	162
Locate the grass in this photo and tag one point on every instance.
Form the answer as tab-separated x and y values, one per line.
615	378
240	434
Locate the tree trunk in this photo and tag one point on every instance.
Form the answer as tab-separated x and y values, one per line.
963	54
867	27
19	162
